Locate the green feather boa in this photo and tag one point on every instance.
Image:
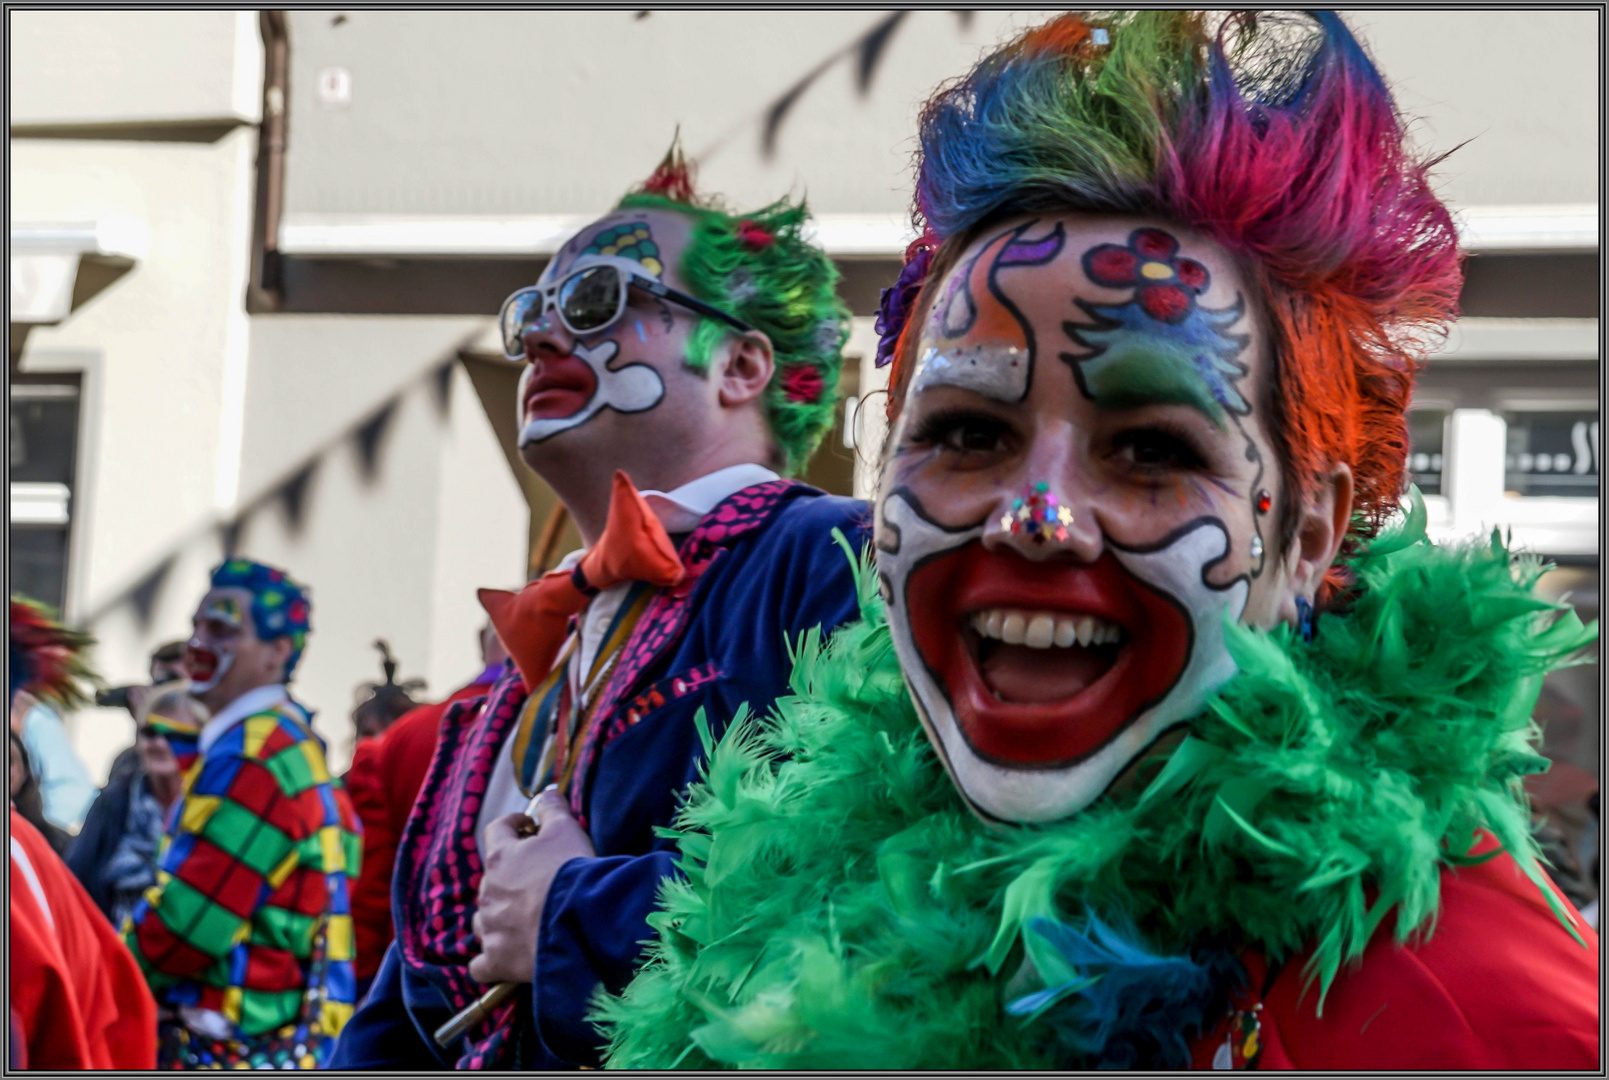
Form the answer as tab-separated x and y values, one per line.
842	908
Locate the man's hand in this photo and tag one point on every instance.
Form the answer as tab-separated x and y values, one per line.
514	889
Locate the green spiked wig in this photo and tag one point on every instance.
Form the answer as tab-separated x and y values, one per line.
760	267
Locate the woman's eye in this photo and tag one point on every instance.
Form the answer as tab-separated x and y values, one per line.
963	433
1151	448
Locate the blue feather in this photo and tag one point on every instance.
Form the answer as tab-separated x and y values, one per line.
1111	1002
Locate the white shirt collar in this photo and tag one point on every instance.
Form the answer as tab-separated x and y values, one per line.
681	509
248	704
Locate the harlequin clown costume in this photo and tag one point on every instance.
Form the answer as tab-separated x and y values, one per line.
247	936
1306	844
716	581
77	998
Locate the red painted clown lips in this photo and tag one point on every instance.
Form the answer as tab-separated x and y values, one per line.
559	386
1051	707
200	664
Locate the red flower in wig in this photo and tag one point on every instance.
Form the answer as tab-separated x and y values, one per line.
802	383
1167	286
754	236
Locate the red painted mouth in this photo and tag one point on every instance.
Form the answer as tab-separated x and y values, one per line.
1044	707
559	386
200	664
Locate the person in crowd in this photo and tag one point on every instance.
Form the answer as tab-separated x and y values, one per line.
115	854
65	787
680	361
77	1000
385	701
1167	738
166	666
384	782
27	801
246	939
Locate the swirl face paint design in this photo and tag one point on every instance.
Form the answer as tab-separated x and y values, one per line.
1042	672
1042	761
574	388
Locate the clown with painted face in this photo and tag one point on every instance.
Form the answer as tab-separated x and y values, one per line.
246	938
680	363
1160	743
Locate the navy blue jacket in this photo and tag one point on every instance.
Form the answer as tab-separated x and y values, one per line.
757	595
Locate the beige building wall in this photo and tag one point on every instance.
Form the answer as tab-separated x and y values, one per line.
195	414
351	447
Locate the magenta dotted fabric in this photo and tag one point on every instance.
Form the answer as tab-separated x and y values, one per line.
438	861
666	616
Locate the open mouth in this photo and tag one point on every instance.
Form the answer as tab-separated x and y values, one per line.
1044	663
561	386
200	664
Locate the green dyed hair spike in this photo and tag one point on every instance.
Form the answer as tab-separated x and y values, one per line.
760	267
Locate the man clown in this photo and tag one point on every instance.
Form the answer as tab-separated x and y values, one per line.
246	938
681	362
1168	739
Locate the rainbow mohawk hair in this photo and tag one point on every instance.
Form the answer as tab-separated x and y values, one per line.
1272	134
46	658
761	268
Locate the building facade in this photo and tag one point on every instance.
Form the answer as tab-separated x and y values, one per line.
256	260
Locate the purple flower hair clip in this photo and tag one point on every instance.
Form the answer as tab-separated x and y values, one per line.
896	302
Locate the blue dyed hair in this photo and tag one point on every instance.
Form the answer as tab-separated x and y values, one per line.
279	606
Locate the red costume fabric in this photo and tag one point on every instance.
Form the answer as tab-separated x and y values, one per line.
76	992
384	781
1499	985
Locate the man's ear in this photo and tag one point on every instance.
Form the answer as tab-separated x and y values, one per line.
1326	513
280	650
744	369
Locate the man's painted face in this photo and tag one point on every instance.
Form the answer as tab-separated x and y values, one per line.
1078	494
220	623
623	368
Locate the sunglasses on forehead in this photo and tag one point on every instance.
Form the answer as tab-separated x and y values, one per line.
589	300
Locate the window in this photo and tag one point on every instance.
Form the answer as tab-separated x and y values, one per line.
1552	453
44	457
1426	432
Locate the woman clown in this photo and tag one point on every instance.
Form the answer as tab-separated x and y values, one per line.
1164	741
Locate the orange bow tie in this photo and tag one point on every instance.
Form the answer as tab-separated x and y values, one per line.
534	622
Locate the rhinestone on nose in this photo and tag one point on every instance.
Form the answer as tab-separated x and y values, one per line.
1038	514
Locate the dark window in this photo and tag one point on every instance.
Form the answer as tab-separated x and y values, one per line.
1426	428
1552	453
44	457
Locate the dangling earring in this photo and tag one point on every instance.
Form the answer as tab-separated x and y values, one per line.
1304	618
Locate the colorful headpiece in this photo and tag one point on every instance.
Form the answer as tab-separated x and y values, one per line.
279	606
47	659
760	267
1275	136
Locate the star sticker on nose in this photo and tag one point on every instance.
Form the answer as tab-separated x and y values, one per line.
1038	514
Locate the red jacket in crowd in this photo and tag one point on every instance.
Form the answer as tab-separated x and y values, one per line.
383	782
77	995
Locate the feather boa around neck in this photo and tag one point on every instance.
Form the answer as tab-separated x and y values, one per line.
842	909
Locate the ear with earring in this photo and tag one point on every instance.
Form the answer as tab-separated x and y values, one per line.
1304	618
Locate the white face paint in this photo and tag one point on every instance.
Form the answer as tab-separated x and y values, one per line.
225	660
633	388
1034	792
630	389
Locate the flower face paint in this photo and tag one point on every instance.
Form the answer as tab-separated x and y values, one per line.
1042	671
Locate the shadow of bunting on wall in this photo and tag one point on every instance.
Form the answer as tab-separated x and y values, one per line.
289	493
866	52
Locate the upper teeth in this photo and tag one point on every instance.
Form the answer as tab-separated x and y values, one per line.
1042	629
